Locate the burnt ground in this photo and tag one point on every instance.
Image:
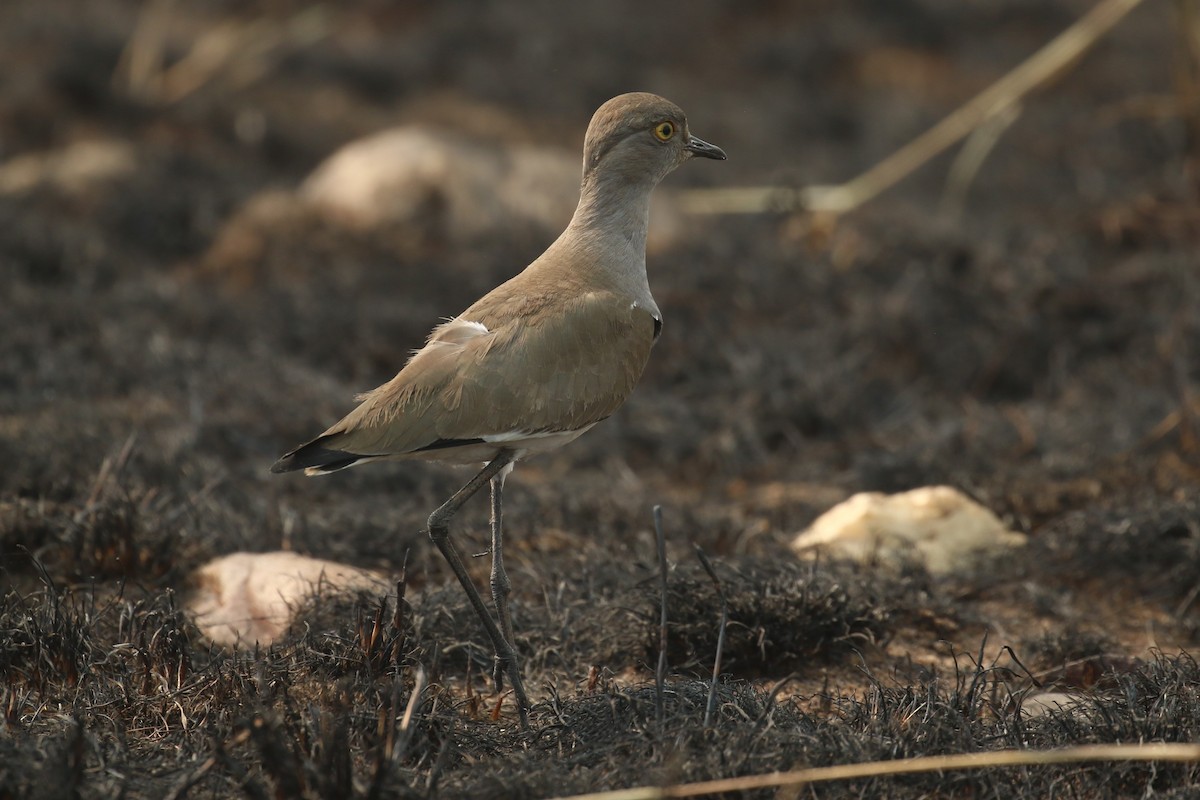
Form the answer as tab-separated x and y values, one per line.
1038	347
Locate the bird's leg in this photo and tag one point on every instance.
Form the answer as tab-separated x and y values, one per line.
500	584
439	532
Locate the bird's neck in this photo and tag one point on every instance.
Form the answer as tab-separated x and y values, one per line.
614	212
605	244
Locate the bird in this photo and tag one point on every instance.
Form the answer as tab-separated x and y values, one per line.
540	359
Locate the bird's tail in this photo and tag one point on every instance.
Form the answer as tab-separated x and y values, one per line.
317	459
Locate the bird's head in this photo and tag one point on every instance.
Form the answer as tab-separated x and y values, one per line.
641	136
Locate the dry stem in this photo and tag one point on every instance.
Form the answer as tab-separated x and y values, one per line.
994	102
907	766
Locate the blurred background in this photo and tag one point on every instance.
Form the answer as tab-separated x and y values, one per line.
221	220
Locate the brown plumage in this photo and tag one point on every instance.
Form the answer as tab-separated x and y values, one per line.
535	356
541	358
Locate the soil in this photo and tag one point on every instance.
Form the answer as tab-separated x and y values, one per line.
1032	339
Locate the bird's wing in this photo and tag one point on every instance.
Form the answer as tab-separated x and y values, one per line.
529	364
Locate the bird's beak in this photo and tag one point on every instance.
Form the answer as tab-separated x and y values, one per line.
699	147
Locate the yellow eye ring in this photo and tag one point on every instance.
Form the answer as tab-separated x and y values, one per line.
663	131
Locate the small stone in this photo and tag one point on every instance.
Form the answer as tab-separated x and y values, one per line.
467	187
73	168
1043	703
243	598
403	174
936	527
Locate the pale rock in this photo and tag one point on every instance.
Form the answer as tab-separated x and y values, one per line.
470	187
1038	705
243	598
73	168
937	527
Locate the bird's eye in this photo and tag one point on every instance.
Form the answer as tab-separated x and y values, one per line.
664	131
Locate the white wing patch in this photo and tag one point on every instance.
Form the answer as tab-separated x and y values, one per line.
536	442
516	436
451	333
457	331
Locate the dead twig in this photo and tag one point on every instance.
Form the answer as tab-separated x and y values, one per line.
974	152
660	672
108	475
1161	751
711	706
992	103
1188	76
239	52
219	756
415	701
399	629
139	69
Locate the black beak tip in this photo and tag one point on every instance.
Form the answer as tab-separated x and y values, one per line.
699	147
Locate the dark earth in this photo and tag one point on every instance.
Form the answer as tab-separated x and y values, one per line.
1035	343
